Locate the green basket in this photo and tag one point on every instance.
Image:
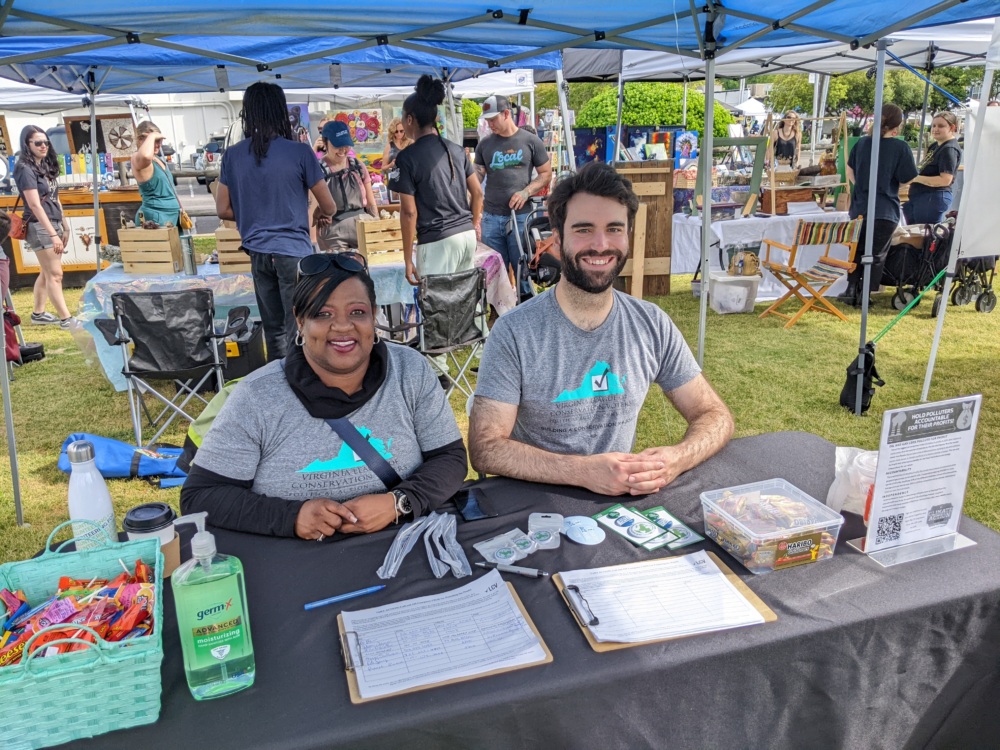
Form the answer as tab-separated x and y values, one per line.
56	699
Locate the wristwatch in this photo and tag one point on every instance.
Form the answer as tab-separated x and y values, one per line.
403	507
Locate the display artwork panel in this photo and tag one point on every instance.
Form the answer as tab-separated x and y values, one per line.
115	135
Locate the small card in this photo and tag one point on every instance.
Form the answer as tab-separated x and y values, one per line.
627	523
683	536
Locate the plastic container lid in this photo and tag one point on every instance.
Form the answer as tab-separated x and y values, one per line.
757	516
145	519
867	463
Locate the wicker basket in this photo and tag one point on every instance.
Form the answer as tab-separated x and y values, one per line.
789	177
56	699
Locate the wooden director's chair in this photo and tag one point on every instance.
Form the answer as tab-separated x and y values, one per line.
811	284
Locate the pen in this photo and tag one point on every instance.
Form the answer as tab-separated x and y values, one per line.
342	597
516	569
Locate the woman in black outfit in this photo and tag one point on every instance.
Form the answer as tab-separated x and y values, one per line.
930	191
895	167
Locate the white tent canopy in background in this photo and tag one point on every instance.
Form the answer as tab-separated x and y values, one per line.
752	108
959	44
508	83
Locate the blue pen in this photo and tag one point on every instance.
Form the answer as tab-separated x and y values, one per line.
342	597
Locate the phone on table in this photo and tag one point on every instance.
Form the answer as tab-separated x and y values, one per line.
473	504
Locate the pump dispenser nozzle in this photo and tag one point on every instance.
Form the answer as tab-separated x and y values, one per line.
203	542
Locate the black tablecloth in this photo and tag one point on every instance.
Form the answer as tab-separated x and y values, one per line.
860	656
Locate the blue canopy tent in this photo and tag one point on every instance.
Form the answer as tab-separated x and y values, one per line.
115	45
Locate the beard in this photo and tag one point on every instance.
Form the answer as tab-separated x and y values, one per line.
594	282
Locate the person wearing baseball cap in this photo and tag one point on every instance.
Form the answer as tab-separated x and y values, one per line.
505	159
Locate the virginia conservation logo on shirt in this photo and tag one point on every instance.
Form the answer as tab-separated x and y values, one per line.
347	458
504	159
600	381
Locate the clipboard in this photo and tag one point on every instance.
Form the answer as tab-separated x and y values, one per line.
602	647
345	638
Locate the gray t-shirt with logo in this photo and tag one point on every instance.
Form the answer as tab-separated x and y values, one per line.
508	163
580	392
264	433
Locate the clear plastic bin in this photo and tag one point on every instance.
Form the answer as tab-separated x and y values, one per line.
770	525
732	294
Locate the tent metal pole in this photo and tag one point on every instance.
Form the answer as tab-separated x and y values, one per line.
870	217
561	87
684	115
970	167
705	175
817	86
621	104
8	418
92	87
531	104
927	92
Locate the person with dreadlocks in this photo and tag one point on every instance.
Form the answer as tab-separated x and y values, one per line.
264	186
434	180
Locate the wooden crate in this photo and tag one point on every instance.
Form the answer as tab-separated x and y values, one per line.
379	235
648	271
151	251
784	196
231	258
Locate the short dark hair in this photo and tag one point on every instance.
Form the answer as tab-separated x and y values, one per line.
312	292
4	226
595	178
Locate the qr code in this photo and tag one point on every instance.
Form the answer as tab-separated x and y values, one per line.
889	528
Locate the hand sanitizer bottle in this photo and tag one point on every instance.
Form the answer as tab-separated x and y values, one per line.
88	498
211	603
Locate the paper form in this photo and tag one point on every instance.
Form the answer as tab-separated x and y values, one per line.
472	630
659	599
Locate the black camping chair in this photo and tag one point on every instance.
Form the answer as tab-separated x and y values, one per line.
168	336
451	312
537	227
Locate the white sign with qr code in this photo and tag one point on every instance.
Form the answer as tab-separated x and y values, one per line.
923	468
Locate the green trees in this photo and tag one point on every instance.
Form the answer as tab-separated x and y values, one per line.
651	104
471	110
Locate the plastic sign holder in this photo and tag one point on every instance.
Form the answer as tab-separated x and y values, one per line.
915	505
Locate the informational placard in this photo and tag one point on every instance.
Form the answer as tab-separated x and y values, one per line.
923	468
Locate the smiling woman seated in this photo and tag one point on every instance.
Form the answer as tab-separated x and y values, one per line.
272	465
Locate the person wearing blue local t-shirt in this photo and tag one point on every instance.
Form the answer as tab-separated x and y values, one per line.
565	375
264	186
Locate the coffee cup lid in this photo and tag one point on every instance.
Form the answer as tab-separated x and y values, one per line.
148	517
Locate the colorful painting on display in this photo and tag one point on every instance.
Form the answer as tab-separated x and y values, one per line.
298	118
589	145
365	125
115	135
686	145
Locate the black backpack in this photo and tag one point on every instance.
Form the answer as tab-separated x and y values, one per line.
848	394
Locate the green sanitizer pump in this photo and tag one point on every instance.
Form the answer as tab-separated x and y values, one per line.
212	617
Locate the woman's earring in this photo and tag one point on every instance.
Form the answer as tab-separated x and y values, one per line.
377	338
298	338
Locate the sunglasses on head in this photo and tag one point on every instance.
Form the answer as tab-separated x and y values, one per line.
318	263
39	144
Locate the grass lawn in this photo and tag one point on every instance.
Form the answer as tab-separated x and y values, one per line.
772	379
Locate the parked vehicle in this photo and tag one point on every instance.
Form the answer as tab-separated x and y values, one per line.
208	161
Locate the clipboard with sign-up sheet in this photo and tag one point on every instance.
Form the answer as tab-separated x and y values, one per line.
477	630
621	606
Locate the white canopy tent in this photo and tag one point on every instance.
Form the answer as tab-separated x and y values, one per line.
751	108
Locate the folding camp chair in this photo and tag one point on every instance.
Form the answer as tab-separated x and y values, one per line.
811	284
168	336
452	316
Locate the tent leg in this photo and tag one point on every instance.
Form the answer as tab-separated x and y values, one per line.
923	118
8	418
561	88
618	156
684	115
705	175
531	104
970	166
870	215
92	85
